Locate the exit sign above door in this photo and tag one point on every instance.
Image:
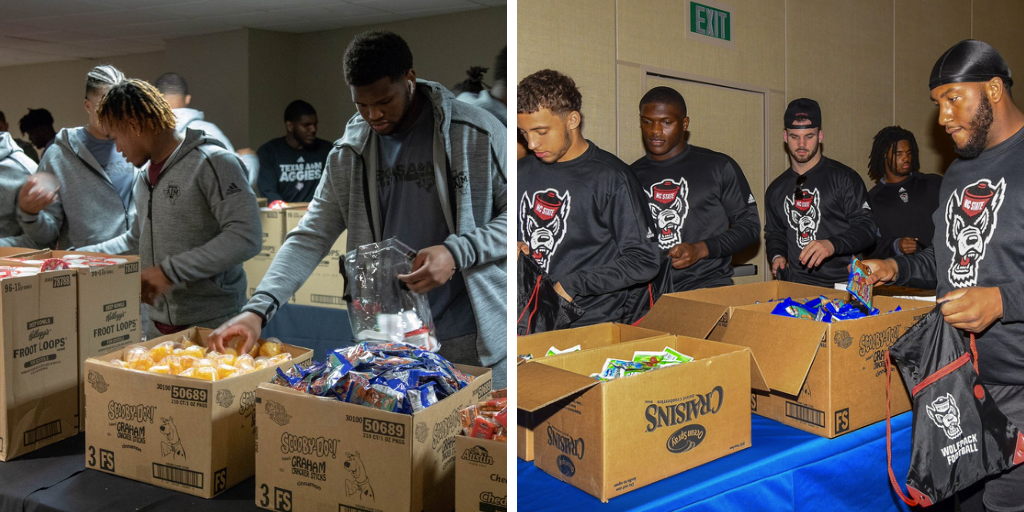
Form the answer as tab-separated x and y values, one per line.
710	22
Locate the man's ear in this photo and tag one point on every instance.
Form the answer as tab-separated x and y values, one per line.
573	120
995	89
188	100
410	76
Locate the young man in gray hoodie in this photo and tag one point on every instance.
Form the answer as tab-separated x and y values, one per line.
95	201
416	165
198	220
15	169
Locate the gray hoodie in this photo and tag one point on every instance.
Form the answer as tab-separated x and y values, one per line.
472	191
194	119
88	209
15	168
199	223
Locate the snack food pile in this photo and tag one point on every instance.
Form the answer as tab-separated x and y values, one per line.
6	272
822	309
72	261
186	359
642	362
393	377
488	419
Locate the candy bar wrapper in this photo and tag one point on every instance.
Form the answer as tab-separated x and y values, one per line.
502	418
482	428
468	416
492	405
651	358
499	393
614	368
858	285
679	356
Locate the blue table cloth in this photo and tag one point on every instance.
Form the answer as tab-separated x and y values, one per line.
785	469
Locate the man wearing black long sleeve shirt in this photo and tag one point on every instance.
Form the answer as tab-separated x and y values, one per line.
817	211
581	215
976	261
903	201
703	209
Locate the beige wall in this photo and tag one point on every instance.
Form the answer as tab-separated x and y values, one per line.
866	62
242	80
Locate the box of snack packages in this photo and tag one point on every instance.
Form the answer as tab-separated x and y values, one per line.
325	288
617	418
481	469
171	413
567	340
822	356
372	428
109	289
39	370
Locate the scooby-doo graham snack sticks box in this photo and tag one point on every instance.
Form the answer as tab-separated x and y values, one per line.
189	435
316	453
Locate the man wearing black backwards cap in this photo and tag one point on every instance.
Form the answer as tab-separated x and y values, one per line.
817	211
699	199
581	214
976	261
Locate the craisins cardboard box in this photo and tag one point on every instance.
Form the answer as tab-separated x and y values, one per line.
108	310
718	303
609	438
825	378
591	336
39	374
272	222
316	453
183	434
326	286
481	474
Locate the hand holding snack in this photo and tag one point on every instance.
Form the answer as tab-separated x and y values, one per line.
432	267
882	271
246	325
38	192
154	284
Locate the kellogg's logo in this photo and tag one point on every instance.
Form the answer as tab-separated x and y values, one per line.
686	438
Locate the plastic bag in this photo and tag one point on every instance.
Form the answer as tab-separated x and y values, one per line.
382	308
960	435
540	307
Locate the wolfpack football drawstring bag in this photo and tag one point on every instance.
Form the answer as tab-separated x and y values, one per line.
960	436
540	307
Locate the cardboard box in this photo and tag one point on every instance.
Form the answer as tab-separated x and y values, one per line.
826	379
481	474
183	434
316	453
591	336
272	223
108	310
325	288
609	438
39	370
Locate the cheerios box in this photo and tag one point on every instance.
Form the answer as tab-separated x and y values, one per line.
180	433
38	365
315	453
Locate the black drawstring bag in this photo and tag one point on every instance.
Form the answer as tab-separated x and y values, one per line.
541	308
960	435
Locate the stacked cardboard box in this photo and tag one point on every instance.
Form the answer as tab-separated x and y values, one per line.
481	474
609	438
39	370
825	378
326	286
272	222
316	453
180	433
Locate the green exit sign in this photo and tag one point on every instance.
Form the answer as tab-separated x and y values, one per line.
710	22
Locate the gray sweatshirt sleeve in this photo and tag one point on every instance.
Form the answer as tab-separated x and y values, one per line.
487	243
305	246
127	242
22	240
240	234
44	227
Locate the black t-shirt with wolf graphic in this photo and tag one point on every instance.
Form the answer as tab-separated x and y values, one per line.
700	195
979	241
587	226
834	207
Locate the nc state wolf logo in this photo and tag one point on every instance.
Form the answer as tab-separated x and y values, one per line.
669	207
944	412
804	215
542	221
970	222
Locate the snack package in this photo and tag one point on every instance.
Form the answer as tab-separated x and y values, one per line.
488	419
858	285
185	358
554	351
383	308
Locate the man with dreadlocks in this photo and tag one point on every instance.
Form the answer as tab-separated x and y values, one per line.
94	201
199	219
903	201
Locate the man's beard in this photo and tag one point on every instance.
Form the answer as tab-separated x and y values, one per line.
809	156
980	125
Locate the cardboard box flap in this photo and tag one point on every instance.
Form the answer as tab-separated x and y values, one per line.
783	348
683	317
757	380
540	385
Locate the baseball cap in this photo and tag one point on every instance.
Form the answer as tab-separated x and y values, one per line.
803	108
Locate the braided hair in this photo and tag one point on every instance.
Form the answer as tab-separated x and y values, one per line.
101	77
885	142
474	84
136	99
